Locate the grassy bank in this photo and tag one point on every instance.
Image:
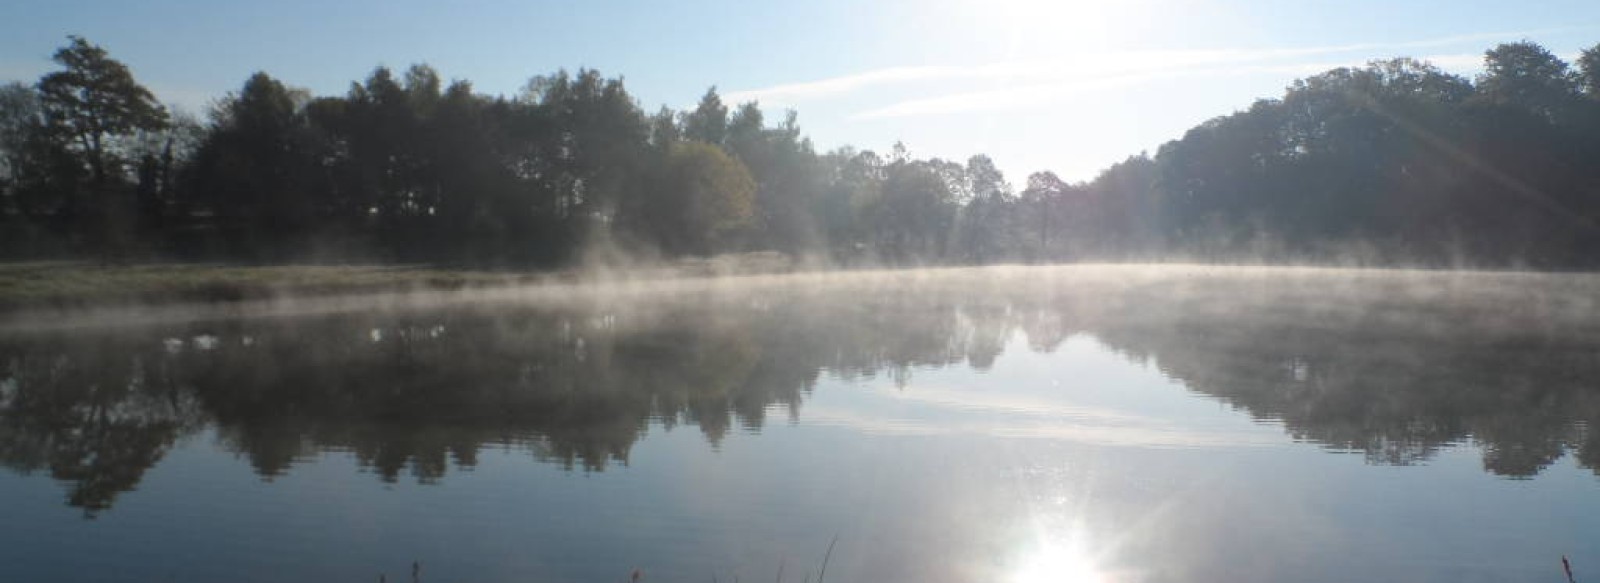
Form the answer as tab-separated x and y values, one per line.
82	284
64	284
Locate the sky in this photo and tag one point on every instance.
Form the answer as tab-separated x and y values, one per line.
1070	86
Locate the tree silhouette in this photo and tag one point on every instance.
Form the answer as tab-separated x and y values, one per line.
93	101
1393	162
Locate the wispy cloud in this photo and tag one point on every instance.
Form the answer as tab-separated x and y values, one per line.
1030	82
1016	416
846	83
1035	94
1008	97
1153	435
1087	65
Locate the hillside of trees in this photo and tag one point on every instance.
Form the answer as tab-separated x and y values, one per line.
1396	162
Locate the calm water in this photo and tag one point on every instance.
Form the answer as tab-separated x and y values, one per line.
1075	424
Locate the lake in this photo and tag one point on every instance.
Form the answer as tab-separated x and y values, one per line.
1110	423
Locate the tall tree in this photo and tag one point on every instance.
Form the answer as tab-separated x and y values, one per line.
664	130
1589	71
912	218
1524	74
709	121
1042	200
93	101
987	231
259	166
702	199
19	117
41	175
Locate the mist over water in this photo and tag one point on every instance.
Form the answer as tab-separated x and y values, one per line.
1132	422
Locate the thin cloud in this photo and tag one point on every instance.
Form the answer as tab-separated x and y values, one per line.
1147	433
845	83
1038	94
1098	65
995	99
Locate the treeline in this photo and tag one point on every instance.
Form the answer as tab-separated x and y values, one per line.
1394	162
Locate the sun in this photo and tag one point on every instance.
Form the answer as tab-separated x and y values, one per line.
1056	11
1057	563
1080	21
1026	30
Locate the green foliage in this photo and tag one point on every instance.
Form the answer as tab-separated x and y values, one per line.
258	167
20	121
1526	75
1589	72
701	199
911	218
94	100
1392	162
709	121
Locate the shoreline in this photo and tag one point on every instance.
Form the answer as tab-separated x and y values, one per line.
80	285
67	295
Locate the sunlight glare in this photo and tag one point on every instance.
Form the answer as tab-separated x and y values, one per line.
1057	563
1074	21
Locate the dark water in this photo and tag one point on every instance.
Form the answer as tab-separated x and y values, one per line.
1116	424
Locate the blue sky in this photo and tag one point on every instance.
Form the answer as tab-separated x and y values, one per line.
1069	86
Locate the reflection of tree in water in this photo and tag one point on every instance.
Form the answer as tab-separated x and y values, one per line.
1396	372
96	417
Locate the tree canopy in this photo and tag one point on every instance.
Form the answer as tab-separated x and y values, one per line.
94	99
1394	162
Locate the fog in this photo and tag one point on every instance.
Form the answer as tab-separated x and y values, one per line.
1494	299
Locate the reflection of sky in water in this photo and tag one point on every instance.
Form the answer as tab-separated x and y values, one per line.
949	481
1080	392
1074	464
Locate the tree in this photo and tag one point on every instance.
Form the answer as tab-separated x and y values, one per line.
664	130
1396	159
586	143
1589	72
912	218
164	157
19	117
852	184
787	178
1042	199
702	198
745	129
987	225
1526	75
709	121
93	101
259	166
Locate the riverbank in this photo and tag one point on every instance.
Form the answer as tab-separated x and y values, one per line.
66	284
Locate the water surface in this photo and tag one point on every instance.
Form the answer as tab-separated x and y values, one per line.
1009	424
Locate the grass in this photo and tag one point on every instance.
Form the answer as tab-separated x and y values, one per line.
65	284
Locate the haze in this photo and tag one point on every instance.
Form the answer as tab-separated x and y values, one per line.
946	291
